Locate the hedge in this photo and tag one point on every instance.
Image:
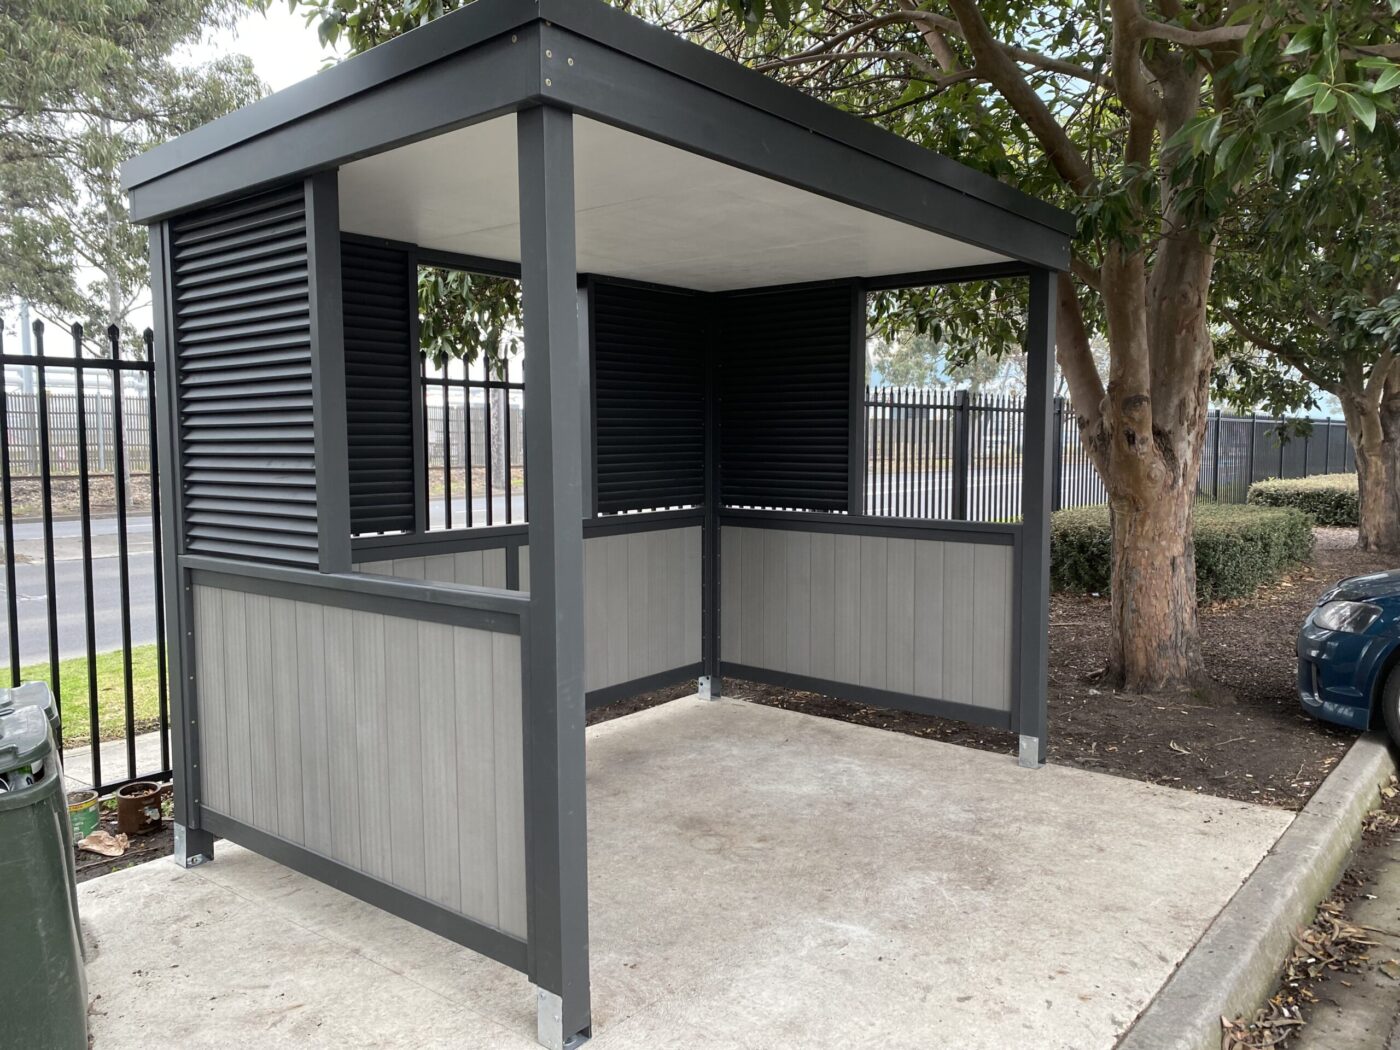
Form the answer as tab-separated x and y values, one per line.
1331	499
1237	548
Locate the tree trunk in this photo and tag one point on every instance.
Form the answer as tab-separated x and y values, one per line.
1375	433
1155	643
1147	444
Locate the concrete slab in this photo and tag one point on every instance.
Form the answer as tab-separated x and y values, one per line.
758	878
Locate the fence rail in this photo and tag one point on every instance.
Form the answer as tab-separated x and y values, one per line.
935	453
81	588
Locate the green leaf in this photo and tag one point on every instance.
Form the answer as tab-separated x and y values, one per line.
1307	84
1362	108
1325	101
1303	40
1387	80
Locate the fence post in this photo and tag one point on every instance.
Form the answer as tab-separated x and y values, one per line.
962	451
1058	463
1215	464
1249	476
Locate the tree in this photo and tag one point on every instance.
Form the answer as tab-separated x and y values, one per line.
1146	120
85	84
1145	117
1315	305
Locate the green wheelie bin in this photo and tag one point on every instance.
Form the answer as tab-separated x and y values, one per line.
43	988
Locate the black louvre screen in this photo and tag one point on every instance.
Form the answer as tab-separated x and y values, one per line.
649	398
378	283
784	389
242	308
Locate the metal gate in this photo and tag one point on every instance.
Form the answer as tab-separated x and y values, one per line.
81	511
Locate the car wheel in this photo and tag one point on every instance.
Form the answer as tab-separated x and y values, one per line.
1390	703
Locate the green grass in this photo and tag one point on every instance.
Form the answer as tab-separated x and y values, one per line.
111	694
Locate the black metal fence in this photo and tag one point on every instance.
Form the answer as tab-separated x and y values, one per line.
935	453
82	568
475	424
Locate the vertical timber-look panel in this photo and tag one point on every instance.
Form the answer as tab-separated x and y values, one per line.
1033	573
925	618
399	751
555	801
328	372
643	595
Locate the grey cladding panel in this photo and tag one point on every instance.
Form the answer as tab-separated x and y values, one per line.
242	319
393	746
641	597
928	618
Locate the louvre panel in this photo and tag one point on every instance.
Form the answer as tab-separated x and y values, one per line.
378	285
784	389
242	304
649	398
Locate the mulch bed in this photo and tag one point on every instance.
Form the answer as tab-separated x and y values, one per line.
1255	744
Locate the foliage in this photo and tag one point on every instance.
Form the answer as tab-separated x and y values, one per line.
465	315
84	85
1329	499
1238	549
1307	282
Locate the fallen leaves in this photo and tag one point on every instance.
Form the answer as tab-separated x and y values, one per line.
1331	944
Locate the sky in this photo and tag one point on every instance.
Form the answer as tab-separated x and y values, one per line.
282	47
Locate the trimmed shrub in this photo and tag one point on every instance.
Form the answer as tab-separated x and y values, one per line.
1237	548
1331	499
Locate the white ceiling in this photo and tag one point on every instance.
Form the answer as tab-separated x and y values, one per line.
645	210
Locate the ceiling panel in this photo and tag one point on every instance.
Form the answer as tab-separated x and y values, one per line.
645	210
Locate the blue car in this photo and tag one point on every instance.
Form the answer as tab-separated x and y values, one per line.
1349	654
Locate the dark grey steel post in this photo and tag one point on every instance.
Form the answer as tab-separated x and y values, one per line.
1057	481
1033	579
556	825
193	844
328	372
962	451
711	683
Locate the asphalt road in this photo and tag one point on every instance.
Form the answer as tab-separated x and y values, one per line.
992	492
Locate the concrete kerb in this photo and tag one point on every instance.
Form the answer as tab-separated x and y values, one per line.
1235	963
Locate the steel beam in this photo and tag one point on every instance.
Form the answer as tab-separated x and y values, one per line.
1033	571
555	807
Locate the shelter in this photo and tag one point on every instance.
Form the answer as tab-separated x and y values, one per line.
400	711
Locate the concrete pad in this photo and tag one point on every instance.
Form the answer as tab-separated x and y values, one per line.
758	878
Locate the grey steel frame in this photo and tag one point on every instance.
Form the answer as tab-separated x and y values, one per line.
545	62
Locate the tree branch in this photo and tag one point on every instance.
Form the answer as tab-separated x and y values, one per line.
1128	72
1001	70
